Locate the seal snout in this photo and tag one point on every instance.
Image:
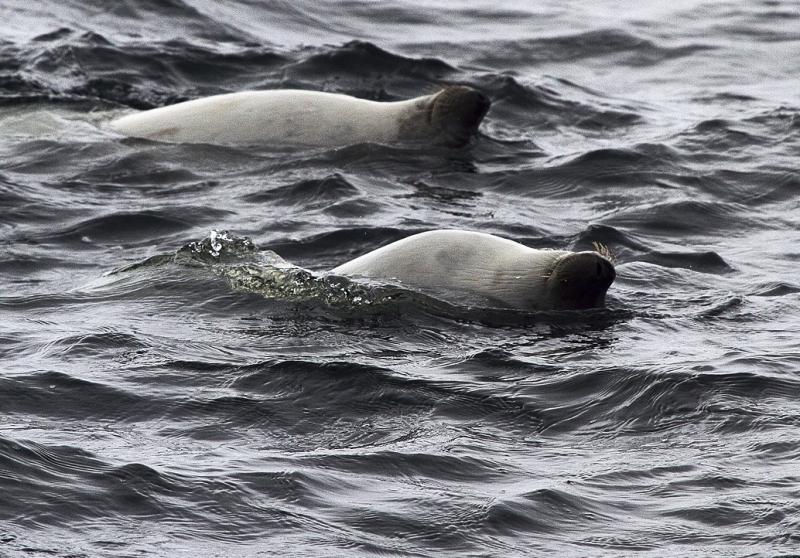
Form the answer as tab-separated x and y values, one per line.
480	104
604	270
458	111
581	279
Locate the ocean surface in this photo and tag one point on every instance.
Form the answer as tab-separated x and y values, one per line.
169	387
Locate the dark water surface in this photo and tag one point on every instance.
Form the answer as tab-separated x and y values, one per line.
163	398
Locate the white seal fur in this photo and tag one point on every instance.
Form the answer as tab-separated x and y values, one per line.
500	270
296	117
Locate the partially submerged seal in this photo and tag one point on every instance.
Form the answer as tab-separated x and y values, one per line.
502	271
296	117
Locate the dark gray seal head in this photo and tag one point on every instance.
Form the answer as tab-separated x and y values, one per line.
456	112
580	280
450	117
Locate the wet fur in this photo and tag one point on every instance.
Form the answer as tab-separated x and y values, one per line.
314	118
493	268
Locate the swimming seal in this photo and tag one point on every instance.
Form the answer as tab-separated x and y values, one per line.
295	117
497	269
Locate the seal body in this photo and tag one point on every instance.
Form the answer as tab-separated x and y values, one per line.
315	118
499	270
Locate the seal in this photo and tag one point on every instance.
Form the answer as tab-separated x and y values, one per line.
314	118
499	270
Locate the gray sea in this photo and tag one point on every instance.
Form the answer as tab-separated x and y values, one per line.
169	387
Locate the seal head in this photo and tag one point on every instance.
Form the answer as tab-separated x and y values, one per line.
580	280
456	112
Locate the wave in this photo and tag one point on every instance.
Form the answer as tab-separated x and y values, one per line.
76	67
206	393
